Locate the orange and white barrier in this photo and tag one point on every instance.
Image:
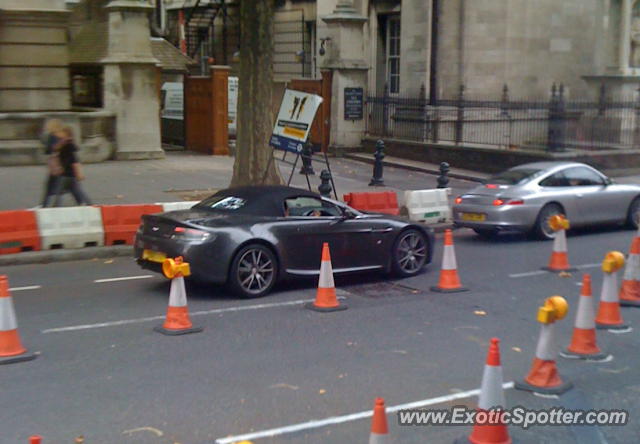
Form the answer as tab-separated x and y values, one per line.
326	298
449	281
543	376
583	342
559	260
630	288
609	316
491	398
11	349
177	320
379	428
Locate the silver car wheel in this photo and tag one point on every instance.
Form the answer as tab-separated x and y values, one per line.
547	212
255	271
411	252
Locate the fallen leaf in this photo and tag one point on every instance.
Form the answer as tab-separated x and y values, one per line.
322	391
564	274
283	385
401	352
119	196
480	313
109	261
516	349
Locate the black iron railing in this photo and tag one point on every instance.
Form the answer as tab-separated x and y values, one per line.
556	124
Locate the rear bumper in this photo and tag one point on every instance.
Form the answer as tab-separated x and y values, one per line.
505	218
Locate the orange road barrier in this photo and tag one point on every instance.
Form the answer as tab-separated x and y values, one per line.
326	299
543	376
491	399
583	342
449	281
381	202
379	427
11	349
559	260
609	317
120	222
177	321
630	288
18	232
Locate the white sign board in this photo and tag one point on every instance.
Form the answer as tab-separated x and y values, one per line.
295	117
232	88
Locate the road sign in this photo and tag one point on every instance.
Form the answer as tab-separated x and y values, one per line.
295	117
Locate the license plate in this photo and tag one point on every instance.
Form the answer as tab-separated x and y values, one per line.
153	256
476	217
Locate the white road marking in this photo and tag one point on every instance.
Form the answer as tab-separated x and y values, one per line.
196	313
126	278
30	287
539	272
352	417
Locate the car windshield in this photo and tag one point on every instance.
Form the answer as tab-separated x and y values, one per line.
229	203
514	176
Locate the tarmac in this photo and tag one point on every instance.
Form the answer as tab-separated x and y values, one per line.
186	175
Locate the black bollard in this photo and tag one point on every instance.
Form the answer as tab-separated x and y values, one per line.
307	155
377	180
443	178
325	187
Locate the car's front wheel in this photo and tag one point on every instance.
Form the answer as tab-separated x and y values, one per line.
633	215
542	229
409	254
253	271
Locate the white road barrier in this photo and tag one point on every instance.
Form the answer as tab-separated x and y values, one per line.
70	227
428	206
173	206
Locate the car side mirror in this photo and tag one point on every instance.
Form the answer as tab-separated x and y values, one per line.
608	181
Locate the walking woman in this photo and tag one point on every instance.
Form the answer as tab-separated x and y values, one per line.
71	169
52	145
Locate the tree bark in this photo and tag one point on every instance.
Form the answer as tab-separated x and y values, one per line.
255	120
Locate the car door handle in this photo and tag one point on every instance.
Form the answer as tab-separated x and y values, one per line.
382	230
579	196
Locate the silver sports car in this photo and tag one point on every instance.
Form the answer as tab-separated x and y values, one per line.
523	199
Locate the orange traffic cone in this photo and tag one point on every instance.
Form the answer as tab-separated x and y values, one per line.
583	342
11	349
326	299
559	260
543	376
494	430
177	320
609	317
630	288
379	428
449	280
35	439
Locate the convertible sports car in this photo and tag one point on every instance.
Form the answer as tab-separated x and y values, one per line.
523	198
251	237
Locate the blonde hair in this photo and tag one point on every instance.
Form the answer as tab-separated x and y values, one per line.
67	131
53	126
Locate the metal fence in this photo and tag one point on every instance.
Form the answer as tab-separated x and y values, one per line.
555	124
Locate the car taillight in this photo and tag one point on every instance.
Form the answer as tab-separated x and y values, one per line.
190	234
458	200
500	202
491	186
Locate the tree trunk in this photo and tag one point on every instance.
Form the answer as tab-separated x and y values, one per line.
255	120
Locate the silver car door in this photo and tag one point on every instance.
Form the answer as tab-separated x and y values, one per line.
555	188
594	203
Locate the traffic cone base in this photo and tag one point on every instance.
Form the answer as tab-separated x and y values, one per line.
553	269
183	331
620	328
628	301
568	354
544	378
449	283
18	358
314	307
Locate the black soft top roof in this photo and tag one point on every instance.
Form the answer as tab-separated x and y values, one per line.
262	200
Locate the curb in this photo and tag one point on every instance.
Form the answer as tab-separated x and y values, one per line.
43	257
391	163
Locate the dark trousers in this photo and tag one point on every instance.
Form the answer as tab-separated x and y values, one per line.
71	184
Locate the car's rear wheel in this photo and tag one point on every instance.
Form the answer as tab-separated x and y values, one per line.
541	229
633	214
253	271
487	233
409	254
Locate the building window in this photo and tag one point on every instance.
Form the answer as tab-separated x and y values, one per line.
393	54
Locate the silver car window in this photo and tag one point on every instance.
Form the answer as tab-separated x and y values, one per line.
555	180
581	176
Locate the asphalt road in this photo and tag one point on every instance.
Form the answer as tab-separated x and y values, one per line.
269	363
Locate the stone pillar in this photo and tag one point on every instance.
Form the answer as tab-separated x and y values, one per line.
345	57
624	45
130	72
34	71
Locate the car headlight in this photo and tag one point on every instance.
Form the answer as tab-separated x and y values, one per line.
191	234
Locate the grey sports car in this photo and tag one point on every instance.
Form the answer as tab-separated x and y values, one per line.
523	199
250	237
